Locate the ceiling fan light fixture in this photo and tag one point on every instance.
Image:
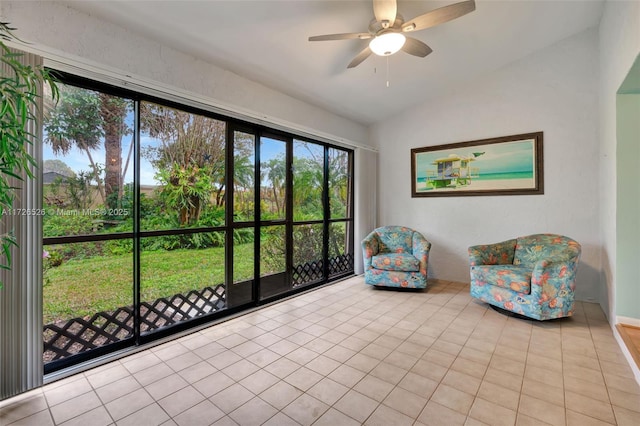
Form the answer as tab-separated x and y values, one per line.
387	44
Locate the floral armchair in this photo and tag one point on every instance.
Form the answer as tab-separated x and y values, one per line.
532	276
395	256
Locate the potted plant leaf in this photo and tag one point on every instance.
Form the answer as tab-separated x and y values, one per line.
19	93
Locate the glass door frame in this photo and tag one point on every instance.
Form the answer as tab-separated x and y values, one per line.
286	221
232	125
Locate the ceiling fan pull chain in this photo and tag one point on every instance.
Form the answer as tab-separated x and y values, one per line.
387	71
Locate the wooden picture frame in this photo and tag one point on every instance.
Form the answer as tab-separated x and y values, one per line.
508	165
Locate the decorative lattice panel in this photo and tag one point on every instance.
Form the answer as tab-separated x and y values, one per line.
307	272
341	264
77	335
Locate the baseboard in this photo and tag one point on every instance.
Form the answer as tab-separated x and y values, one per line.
628	321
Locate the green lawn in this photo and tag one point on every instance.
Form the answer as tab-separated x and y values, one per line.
80	288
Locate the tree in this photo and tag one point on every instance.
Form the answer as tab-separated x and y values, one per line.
75	123
112	112
190	158
244	172
307	188
57	166
275	171
73	191
339	187
338	182
186	188
243	175
86	120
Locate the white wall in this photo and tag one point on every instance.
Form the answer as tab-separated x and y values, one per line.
366	201
554	91
627	294
57	28
619	46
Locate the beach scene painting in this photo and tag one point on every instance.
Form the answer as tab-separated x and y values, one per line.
508	165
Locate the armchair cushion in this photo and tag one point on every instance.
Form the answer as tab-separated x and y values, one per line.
516	278
396	262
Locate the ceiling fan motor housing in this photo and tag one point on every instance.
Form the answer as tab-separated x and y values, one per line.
375	27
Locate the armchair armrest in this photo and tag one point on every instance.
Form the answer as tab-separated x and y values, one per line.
552	277
420	250
493	254
370	247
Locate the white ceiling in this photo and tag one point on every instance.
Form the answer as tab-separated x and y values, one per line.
266	41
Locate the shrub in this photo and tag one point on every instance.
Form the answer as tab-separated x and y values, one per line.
57	225
272	247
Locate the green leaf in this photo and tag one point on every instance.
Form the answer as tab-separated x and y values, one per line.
19	98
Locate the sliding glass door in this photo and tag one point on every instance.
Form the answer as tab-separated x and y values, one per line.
274	210
242	240
160	216
87	222
308	213
340	243
181	217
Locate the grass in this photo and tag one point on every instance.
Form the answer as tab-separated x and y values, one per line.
80	288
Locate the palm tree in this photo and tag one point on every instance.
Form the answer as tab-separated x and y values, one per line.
243	178
75	122
307	188
84	119
276	173
338	182
112	112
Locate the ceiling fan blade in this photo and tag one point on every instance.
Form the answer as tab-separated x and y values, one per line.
344	36
361	57
416	47
440	16
385	10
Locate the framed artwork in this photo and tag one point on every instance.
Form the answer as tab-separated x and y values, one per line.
508	165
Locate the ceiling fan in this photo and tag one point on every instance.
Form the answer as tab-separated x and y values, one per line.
387	30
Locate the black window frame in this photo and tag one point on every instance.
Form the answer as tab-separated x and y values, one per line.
232	124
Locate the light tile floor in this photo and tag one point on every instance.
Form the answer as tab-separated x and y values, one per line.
349	354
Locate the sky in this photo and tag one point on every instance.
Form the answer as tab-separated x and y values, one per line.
78	160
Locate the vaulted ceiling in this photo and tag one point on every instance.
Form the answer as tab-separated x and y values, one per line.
267	41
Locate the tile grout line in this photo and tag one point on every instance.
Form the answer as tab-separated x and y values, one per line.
352	321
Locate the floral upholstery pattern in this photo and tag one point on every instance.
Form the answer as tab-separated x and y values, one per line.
514	277
395	256
396	262
493	254
540	281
